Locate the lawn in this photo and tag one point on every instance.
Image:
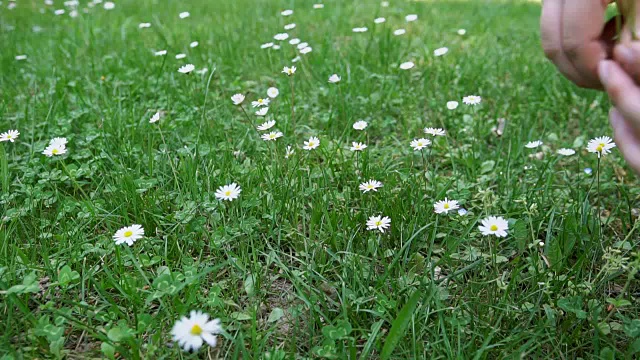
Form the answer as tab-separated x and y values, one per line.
294	265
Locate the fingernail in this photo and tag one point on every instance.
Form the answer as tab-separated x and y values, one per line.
603	71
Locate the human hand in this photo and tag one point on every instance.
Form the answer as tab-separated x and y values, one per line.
625	116
575	37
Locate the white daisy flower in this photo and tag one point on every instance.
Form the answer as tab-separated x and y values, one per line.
186	68
290	26
379	20
566	152
184	15
302	45
533	144
160	53
59	12
407	65
334	78
194	44
601	145
472	100
144	25
399	32
272	135
312	143
287	13
318	6
266	45
266	126
155	117
128	235
191	332
289	152
260	102
181	56
411	17
462	32
289	70
202	71
276	47
360	29
294	41
228	192
371	185
452	105
295	59
21	57
237	99
281	37
492	225
54	149
419	144
378	223
48	2
262	111
10	135
356	146
58	142
109	5
360	125
441	51
384	4
273	92
434	131
306	50
73	13
444	206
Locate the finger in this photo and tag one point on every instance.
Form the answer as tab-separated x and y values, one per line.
622	90
628	56
626	138
582	26
551	37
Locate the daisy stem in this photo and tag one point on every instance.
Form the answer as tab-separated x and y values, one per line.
293	119
344	113
173	168
599	206
4	169
424	167
246	116
77	186
357	173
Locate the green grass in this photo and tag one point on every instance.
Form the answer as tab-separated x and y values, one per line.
289	267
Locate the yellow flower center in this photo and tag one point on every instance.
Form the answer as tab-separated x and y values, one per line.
226	193
494	228
9	136
600	147
378	223
196	330
54	151
128	233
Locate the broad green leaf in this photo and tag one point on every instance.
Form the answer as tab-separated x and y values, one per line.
275	315
66	276
29	285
